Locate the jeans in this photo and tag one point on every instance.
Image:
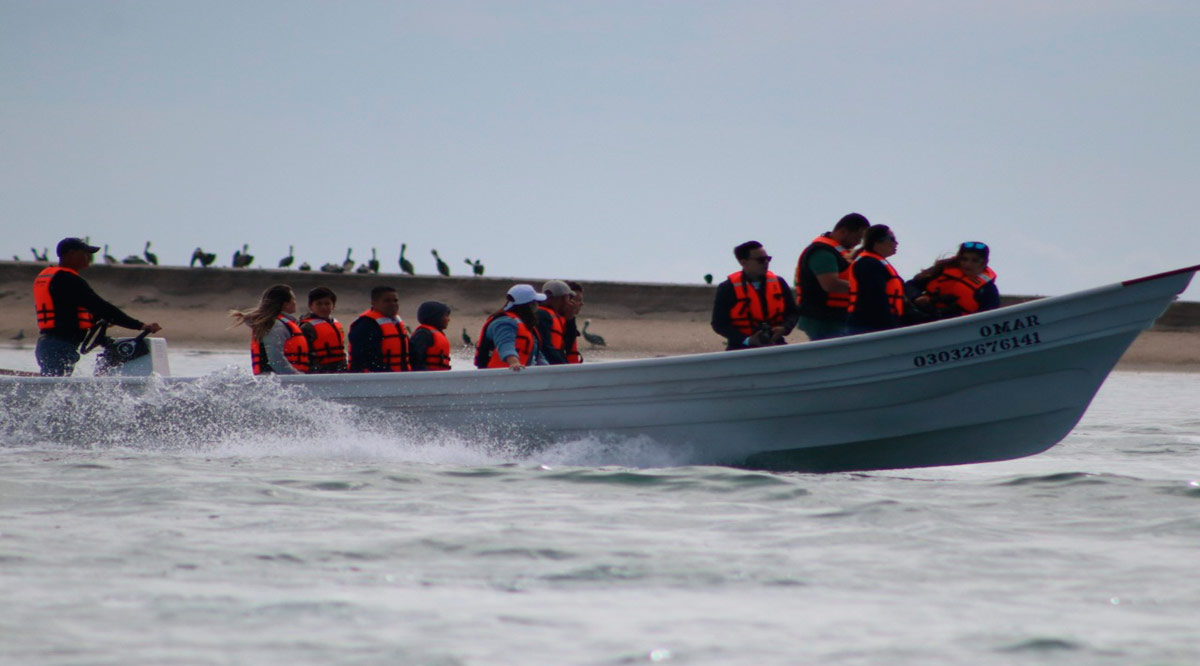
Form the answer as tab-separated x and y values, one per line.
55	356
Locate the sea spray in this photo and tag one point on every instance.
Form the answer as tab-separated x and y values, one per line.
231	413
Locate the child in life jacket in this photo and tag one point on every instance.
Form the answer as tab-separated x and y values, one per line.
428	346
326	338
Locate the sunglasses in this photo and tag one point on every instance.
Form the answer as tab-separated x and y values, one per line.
974	245
765	259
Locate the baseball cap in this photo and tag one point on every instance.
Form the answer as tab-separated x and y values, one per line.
522	294
67	244
557	288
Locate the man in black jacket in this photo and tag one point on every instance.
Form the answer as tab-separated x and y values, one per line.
67	307
753	307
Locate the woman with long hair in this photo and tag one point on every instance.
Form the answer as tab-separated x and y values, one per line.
876	291
509	338
276	342
956	285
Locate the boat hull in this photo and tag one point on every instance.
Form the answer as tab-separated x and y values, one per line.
992	386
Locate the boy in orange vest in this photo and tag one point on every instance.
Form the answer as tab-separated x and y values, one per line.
326	338
429	348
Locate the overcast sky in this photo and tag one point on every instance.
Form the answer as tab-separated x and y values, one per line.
634	141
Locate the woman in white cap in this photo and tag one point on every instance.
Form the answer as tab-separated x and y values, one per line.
509	338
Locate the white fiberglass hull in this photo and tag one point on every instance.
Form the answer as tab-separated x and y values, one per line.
992	386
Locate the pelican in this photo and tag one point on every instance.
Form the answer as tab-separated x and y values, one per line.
42	256
348	264
476	267
134	260
242	258
467	339
205	258
305	267
442	266
406	266
708	278
373	264
287	261
363	269
108	258
593	339
330	267
151	258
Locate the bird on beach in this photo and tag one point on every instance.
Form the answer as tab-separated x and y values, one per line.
305	267
373	264
205	258
443	267
134	260
42	256
467	339
108	258
287	261
16	258
476	267
593	339
21	335
242	258
151	258
406	266
363	269
348	263
330	267
708	278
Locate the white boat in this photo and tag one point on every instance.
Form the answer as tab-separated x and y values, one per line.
991	386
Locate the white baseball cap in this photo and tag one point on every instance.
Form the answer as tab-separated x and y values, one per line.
522	294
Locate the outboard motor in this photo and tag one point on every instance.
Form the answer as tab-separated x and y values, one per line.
131	357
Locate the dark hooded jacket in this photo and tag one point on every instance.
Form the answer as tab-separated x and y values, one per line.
429	313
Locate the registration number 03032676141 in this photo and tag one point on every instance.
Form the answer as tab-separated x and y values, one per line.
984	348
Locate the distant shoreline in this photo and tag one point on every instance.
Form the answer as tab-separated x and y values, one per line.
636	319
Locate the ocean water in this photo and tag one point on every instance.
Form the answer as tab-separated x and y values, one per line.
234	523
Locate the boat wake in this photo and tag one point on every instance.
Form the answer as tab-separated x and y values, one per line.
229	413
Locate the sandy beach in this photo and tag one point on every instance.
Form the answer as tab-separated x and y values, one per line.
636	320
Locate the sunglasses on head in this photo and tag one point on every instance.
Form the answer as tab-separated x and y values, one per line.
974	245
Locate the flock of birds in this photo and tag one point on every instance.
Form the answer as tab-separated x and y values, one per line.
242	259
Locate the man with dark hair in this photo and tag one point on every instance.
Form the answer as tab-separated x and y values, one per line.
378	340
823	278
753	307
571	330
67	307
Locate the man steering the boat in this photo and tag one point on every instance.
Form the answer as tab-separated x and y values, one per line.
67	308
753	307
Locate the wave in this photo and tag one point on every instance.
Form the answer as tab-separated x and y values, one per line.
231	413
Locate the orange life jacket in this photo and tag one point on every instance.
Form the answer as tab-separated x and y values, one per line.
894	287
329	348
808	286
437	356
573	355
527	343
43	303
394	345
295	350
557	326
747	314
953	282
